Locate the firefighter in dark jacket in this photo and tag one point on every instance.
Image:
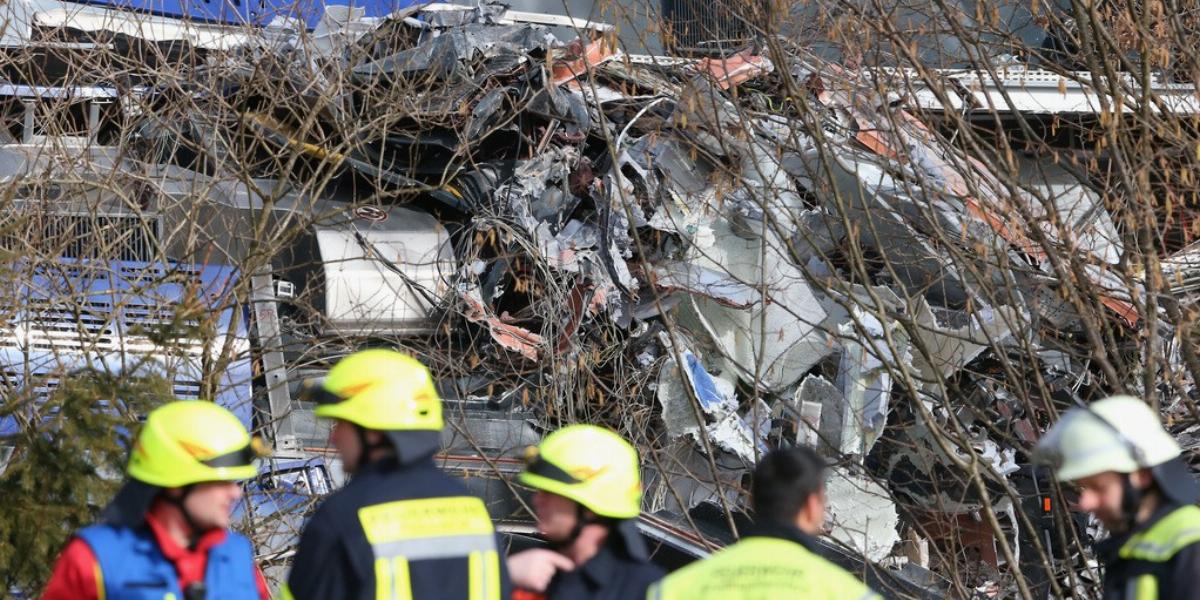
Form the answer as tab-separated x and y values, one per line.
587	502
400	528
1131	476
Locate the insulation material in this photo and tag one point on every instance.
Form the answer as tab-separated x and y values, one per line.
871	349
861	514
744	437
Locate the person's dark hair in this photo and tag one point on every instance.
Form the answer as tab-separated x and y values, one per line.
783	481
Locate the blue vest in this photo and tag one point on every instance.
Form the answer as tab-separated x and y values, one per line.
133	568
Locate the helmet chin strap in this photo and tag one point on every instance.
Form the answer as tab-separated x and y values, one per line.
1131	501
195	530
364	457
581	520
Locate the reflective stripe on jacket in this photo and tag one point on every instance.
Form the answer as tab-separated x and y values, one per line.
405	531
399	532
1146	551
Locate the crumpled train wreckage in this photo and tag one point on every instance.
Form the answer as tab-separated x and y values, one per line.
725	254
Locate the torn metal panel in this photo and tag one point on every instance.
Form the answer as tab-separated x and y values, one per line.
621	212
594	95
568	111
734	434
485	113
732	71
1077	216
955	198
538	186
441	56
687	480
864	192
654	307
572	250
824	401
818	235
767	201
577	59
690	201
1003	460
921	469
281	135
701	281
640	81
511	337
775	342
1043	299
954	338
439	15
865	376
338	27
677	167
559	254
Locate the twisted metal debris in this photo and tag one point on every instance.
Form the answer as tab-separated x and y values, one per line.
713	256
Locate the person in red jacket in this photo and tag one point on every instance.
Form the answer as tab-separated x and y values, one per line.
167	531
